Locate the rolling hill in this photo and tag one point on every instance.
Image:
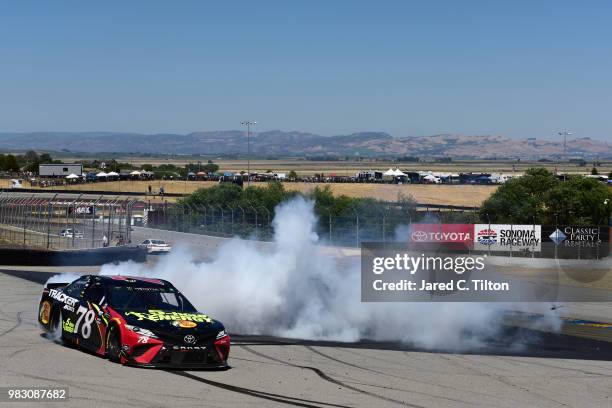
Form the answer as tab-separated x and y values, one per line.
294	143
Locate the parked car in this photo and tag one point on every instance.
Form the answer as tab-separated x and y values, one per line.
155	246
69	233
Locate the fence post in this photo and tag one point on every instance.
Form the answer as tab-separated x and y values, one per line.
49	218
93	223
330	227
74	218
356	224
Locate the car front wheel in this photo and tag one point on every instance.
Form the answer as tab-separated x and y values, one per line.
113	345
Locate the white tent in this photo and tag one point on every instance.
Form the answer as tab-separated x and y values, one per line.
432	178
113	174
72	176
135	173
389	172
101	174
399	173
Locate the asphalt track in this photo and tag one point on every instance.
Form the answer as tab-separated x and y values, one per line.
554	370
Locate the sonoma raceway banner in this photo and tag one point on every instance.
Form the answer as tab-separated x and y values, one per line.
507	237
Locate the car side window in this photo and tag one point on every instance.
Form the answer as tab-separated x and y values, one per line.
76	288
94	294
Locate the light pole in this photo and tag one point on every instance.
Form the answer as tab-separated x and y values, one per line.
248	124
565	134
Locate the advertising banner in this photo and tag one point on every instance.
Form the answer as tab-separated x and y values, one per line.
447	236
507	237
575	242
442	233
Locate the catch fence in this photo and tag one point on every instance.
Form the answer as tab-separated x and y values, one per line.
382	223
54	222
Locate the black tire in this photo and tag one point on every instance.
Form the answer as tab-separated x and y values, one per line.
113	344
56	331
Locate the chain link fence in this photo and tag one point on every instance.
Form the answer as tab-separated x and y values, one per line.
350	227
57	222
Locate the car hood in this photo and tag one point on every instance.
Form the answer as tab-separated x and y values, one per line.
165	321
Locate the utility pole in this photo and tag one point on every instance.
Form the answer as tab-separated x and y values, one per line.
565	134
248	124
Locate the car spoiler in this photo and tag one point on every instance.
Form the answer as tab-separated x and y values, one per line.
56	285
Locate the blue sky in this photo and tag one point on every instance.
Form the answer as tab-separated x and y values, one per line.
515	68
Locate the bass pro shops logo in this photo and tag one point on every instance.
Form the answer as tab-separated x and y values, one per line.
487	237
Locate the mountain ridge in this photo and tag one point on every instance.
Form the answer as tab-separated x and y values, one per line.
297	143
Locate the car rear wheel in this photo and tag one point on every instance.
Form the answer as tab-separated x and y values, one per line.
56	331
113	345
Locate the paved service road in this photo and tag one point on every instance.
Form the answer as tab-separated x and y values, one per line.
557	371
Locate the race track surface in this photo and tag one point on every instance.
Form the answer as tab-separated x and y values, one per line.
553	371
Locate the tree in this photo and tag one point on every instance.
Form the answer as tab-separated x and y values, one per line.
45	158
10	163
210	167
579	200
538	197
594	171
31	157
293	175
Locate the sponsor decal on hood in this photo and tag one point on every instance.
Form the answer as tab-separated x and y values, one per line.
160	315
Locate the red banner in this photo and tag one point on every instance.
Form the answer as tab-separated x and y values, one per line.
442	234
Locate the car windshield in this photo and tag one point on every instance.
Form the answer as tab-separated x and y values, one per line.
147	298
157	242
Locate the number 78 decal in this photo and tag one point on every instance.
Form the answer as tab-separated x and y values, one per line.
89	316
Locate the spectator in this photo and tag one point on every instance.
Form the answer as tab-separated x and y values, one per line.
104	241
150	190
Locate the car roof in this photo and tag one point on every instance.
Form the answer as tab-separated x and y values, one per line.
121	280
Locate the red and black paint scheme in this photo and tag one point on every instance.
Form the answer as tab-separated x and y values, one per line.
134	320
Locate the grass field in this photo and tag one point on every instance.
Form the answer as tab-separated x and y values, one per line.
466	195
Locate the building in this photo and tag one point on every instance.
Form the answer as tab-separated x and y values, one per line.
60	170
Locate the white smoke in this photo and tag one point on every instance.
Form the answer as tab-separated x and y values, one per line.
292	287
63	278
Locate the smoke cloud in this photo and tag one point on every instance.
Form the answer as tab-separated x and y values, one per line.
295	288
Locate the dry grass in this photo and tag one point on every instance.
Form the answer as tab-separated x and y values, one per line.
466	195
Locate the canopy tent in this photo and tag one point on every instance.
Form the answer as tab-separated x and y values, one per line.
135	173
389	172
113	174
201	173
101	174
399	173
72	176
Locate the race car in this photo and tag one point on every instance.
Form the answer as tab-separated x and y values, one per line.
155	246
134	321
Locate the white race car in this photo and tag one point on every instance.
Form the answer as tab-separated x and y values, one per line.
69	233
155	246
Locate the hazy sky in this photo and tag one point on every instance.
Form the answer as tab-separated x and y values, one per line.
515	68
